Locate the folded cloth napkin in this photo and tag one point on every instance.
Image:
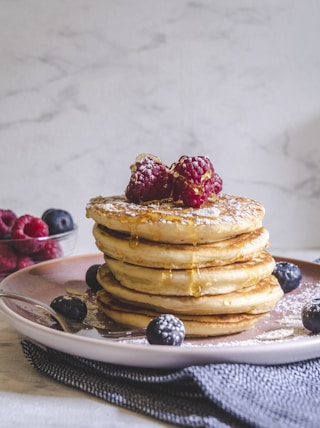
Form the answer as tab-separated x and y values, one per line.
213	395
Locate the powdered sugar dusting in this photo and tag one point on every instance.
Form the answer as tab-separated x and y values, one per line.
292	304
281	333
223	208
283	324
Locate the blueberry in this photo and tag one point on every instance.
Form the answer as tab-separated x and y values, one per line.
311	315
70	306
288	275
49	210
317	260
165	329
91	278
58	221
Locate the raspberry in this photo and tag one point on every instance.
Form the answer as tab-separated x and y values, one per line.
8	259
218	183
150	180
51	250
7	220
25	229
24	261
28	226
194	180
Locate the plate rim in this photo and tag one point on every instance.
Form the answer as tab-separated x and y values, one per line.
162	356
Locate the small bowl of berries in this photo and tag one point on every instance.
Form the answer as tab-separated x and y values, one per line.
26	240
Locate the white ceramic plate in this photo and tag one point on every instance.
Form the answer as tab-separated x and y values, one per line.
278	338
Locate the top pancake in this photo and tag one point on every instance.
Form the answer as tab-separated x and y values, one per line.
164	221
153	254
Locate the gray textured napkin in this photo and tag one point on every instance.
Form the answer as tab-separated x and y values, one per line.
213	395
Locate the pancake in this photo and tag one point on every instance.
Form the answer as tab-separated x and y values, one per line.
205	265
192	282
153	254
256	299
199	326
221	217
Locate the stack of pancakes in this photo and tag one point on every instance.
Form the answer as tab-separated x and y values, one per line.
208	266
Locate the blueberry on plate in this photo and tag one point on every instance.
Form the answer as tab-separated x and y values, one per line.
70	306
58	221
91	278
288	275
311	315
165	329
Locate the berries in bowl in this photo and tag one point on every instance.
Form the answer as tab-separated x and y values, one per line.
27	239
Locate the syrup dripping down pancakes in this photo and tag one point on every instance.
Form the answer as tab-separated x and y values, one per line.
206	265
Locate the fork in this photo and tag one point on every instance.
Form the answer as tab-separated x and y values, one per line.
70	326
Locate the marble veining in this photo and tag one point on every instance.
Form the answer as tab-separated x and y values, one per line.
84	88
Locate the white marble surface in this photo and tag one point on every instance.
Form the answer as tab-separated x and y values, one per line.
85	86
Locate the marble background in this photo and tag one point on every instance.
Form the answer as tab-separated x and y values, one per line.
87	85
